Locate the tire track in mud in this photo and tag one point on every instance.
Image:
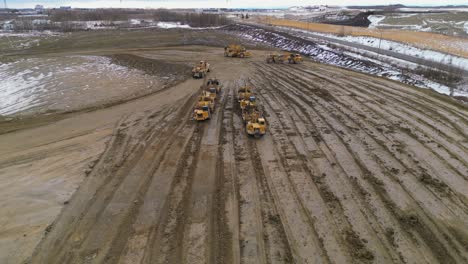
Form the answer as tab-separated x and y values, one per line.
159	207
314	185
388	138
84	233
340	177
310	96
198	234
289	182
419	163
331	183
423	114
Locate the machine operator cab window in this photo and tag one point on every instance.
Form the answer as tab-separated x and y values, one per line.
252	99
261	121
205	108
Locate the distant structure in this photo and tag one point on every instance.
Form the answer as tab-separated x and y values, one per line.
65	8
8	25
39	8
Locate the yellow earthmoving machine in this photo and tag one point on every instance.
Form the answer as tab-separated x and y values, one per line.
206	99
275	58
244	92
214	83
201	113
200	70
294	58
255	124
250	102
238	51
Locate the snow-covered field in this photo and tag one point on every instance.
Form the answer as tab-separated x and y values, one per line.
449	22
47	84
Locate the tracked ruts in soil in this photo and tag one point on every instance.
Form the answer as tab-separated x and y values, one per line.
353	169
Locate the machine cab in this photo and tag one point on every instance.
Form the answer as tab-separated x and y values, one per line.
252	99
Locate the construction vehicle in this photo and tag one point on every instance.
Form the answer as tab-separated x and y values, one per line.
202	113
255	124
206	99
250	102
212	93
294	58
244	92
275	58
236	51
213	83
201	69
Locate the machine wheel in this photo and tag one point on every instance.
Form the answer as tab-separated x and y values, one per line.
242	55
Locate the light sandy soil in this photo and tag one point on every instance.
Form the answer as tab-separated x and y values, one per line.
353	169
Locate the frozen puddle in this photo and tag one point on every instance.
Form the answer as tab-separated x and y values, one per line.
66	83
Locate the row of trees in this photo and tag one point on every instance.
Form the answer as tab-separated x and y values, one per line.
191	19
164	15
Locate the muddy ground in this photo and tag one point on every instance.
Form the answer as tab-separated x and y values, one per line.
353	169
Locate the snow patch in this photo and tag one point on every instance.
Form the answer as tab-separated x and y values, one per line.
375	20
171	25
30	83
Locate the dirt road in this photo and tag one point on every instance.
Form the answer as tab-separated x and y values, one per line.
353	169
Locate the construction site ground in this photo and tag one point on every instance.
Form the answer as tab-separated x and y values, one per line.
353	169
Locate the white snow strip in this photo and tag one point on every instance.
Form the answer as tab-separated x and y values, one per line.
171	25
375	20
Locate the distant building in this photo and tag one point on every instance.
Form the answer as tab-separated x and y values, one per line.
65	8
8	25
39	8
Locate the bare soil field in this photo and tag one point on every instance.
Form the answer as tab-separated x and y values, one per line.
425	40
353	169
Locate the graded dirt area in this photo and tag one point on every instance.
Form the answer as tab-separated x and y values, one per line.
353	169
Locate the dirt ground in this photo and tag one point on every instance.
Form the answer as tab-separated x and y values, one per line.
353	169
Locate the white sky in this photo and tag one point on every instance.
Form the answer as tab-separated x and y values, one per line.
217	3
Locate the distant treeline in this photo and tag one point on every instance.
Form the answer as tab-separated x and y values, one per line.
163	15
191	19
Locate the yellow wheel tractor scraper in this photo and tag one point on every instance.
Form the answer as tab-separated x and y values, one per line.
244	92
205	106
213	83
200	70
255	123
250	102
275	58
238	51
294	58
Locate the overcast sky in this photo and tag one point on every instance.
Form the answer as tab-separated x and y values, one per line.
216	3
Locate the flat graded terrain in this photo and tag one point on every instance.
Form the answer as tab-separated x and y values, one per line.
353	169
